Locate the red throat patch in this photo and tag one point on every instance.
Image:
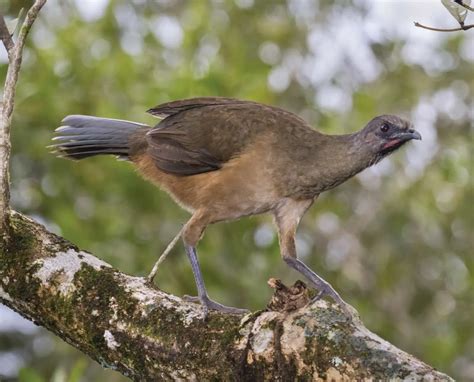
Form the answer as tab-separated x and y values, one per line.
391	143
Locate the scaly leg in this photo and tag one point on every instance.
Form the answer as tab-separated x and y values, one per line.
287	218
191	234
203	297
324	288
163	256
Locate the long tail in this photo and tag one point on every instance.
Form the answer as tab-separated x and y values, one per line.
82	136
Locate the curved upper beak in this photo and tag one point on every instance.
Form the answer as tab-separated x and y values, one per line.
408	135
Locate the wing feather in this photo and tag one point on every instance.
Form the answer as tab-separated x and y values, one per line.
175	107
201	134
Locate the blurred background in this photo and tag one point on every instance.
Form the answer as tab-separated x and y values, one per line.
396	241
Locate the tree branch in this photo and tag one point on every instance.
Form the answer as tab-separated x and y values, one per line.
461	28
6	37
462	4
128	325
15	57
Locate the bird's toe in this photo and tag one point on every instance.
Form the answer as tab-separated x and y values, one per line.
193	299
327	290
209	304
226	309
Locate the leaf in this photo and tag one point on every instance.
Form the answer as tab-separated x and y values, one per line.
458	11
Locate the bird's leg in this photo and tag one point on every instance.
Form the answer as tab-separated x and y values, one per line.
203	297
324	288
191	234
287	218
163	256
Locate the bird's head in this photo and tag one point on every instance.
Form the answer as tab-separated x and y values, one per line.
386	133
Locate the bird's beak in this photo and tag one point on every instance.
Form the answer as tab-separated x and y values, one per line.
407	135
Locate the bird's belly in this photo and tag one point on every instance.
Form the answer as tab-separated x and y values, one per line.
231	193
240	188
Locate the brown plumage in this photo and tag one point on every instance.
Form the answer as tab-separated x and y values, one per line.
222	159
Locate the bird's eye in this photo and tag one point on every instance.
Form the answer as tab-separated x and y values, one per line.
385	127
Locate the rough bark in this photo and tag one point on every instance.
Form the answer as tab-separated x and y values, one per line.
131	326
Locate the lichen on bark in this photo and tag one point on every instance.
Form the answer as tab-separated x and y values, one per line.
129	325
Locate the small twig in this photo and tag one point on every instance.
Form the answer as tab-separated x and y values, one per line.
462	28
6	37
461	3
15	53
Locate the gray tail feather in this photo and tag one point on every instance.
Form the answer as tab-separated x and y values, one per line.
82	136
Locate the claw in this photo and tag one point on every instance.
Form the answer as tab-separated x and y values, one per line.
327	290
209	304
193	299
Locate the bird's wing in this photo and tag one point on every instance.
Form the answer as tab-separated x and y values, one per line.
171	108
172	153
199	135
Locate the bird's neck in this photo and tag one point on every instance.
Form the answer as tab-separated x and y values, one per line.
343	156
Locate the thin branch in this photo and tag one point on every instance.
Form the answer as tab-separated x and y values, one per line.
127	324
29	20
6	37
461	3
15	57
462	28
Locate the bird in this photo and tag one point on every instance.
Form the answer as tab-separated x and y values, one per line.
222	159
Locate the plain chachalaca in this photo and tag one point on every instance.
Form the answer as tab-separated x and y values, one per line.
222	159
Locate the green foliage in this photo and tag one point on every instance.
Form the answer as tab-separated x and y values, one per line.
396	242
29	375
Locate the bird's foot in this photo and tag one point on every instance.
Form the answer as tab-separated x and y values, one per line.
149	279
328	290
209	304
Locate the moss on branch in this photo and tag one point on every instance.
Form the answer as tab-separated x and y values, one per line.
131	326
